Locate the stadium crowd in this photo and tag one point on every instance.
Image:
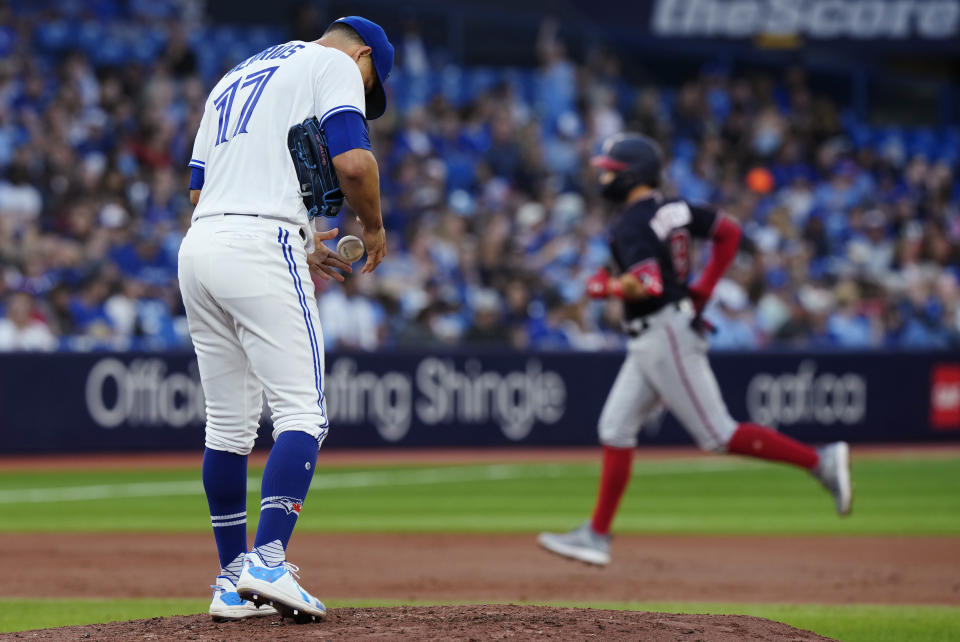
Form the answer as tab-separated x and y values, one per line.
494	221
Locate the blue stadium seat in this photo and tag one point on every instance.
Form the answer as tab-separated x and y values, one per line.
90	35
452	85
55	36
479	80
668	98
522	82
148	45
113	51
7	41
921	142
684	150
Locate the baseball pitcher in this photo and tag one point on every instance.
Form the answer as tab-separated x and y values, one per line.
667	352
244	270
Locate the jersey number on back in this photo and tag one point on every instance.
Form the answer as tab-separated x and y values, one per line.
224	102
680	253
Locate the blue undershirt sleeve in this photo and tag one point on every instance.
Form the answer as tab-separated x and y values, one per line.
196	178
346	130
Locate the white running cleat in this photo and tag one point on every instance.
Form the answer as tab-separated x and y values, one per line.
582	543
278	587
833	471
228	605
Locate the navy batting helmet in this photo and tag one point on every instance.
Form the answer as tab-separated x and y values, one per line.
634	159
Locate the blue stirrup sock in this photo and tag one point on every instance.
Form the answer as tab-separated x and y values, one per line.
286	480
225	483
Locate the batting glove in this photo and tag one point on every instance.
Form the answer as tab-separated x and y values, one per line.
600	285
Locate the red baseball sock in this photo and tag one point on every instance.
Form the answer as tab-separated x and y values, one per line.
764	443
613	481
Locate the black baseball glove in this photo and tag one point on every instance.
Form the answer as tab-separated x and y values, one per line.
319	185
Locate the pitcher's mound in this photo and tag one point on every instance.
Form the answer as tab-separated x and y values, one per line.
479	622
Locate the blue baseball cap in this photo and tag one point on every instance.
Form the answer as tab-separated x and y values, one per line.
375	38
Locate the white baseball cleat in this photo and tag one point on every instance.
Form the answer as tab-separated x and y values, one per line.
228	605
582	543
833	471
278	587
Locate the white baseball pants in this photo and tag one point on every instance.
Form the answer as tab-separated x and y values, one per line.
255	328
667	363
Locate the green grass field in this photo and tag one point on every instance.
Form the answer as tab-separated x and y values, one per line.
698	496
894	495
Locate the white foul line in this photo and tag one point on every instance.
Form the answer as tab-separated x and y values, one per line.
416	477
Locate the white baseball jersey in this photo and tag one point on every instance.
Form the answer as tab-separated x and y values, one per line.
244	279
242	141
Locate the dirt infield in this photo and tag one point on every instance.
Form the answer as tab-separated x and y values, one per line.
445	623
507	568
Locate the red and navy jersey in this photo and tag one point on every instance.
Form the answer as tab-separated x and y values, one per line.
651	239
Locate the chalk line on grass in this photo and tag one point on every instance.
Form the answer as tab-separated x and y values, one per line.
365	479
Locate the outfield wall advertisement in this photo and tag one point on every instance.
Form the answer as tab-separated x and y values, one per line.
122	402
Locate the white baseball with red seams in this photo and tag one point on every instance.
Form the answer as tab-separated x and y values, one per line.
350	248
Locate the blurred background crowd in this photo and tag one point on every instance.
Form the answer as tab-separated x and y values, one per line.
493	218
